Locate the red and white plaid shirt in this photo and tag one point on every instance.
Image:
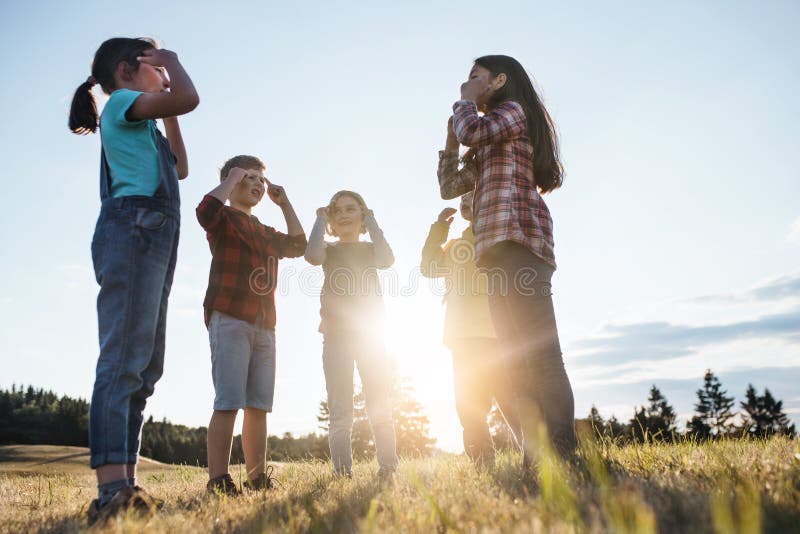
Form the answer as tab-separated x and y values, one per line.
507	206
244	262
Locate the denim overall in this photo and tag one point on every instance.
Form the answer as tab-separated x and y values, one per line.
134	249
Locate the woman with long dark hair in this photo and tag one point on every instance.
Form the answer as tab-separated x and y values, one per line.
512	159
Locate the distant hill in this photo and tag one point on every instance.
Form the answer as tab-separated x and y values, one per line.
52	459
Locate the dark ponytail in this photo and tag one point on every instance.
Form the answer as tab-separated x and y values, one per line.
83	112
547	168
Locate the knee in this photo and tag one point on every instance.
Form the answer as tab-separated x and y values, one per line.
341	422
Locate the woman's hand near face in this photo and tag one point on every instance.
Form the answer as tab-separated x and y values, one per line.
474	88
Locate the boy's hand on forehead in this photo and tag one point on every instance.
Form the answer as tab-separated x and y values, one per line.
236	175
276	193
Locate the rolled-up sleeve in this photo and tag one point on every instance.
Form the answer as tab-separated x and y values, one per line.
210	213
507	121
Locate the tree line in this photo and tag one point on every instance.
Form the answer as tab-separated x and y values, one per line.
36	416
759	416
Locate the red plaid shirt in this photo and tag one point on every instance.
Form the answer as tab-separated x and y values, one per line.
507	206
244	262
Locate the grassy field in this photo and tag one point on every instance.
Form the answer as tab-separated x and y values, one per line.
733	486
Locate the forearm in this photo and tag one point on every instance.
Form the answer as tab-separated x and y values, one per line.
454	182
223	191
293	225
432	253
384	258
315	250
176	145
503	123
181	88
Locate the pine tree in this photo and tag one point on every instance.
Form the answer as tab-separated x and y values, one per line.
713	410
656	421
596	420
412	426
324	416
764	415
616	430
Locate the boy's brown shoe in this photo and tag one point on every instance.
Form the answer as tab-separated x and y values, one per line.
264	481
128	498
223	485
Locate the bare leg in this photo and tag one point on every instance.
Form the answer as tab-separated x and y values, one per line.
111	472
220	440
254	441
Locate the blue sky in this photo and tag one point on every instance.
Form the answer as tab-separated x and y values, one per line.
677	229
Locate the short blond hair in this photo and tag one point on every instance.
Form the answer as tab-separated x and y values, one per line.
243	161
359	200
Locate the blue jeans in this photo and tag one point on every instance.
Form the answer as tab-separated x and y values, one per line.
340	354
134	251
522	312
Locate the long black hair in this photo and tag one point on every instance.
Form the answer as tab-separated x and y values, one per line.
83	112
547	168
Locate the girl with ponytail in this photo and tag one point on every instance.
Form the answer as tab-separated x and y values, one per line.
133	248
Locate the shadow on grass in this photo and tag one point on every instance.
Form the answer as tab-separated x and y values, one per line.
301	511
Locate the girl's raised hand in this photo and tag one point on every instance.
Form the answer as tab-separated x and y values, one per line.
474	88
158	57
322	212
446	216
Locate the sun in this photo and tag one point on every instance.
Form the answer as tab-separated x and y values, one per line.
414	330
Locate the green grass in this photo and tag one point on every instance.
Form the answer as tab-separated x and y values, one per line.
731	486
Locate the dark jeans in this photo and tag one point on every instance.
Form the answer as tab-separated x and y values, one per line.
479	376
522	311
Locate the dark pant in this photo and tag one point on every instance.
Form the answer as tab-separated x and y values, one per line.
479	377
522	311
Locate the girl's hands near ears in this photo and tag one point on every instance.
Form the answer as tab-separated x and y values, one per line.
322	212
369	214
158	57
277	194
473	89
446	216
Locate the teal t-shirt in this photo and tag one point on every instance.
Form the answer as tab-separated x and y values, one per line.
131	147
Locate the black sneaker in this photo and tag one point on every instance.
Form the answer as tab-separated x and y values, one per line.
223	485
128	498
264	481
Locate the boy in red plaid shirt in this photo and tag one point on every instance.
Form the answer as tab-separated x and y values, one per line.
240	313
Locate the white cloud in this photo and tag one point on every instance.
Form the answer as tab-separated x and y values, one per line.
794	231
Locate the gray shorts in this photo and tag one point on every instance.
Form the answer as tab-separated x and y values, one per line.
242	363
